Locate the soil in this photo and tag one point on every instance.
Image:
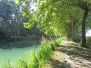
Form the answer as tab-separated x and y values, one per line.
70	55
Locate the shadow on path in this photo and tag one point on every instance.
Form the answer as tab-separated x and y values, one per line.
57	64
79	57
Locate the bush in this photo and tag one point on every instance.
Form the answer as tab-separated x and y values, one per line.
77	39
88	42
55	43
33	61
45	53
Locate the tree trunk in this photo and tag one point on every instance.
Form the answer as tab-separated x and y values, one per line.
69	35
85	14
73	31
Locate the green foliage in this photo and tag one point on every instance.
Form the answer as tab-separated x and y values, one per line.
61	16
6	66
53	45
21	63
88	42
77	39
33	61
59	41
45	52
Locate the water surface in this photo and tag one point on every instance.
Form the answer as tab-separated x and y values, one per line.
11	55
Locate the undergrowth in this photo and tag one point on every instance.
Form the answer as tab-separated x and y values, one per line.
88	42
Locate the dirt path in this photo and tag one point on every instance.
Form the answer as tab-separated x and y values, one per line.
70	55
79	57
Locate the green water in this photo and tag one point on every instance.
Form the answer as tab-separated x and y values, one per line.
14	54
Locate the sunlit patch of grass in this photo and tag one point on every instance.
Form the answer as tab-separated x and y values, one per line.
6	66
33	61
21	63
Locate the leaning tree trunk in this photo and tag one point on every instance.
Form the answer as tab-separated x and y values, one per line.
83	29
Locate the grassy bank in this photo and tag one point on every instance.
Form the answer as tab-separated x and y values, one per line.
37	60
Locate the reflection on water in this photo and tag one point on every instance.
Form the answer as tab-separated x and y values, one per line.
16	53
18	44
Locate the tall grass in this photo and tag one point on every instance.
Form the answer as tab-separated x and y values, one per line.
45	53
32	61
37	60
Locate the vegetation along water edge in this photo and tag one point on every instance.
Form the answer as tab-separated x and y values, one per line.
37	59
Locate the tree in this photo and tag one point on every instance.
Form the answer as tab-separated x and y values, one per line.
5	15
62	19
74	17
85	5
53	15
11	19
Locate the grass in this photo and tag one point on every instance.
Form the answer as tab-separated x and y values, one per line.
37	60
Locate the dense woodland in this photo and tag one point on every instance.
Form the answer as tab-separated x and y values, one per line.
12	23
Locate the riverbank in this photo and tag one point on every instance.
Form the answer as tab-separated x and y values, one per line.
12	55
39	58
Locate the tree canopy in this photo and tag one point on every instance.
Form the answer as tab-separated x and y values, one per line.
13	23
61	17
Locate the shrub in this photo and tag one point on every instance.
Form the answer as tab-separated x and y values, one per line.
78	39
88	42
55	43
33	61
45	52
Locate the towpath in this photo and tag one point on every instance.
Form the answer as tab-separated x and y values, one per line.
70	55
